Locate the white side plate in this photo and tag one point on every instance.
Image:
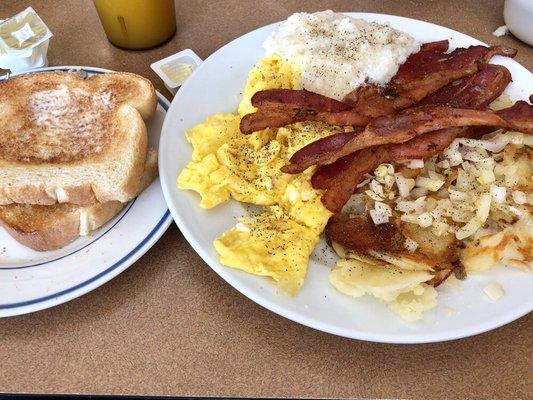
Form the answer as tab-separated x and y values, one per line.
31	280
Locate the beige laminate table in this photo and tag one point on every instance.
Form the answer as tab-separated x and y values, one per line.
170	326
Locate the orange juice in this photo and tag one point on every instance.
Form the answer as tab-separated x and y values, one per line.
137	24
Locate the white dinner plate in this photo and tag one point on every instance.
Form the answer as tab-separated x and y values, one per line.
31	280
216	86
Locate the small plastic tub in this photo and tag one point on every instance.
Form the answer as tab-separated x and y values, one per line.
175	69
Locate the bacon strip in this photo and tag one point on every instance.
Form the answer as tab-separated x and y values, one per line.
520	114
422	74
476	91
421	147
341	186
298	99
456	64
402	127
486	86
281	107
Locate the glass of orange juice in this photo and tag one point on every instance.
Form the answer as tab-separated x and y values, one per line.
137	24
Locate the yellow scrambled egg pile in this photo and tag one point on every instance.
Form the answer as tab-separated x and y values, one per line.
227	164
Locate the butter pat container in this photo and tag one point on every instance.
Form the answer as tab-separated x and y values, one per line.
175	69
24	40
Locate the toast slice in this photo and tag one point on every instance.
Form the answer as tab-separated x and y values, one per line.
44	228
69	139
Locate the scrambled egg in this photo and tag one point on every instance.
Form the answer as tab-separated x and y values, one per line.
272	244
269	73
227	164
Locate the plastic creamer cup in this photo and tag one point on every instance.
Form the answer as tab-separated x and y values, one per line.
24	41
175	69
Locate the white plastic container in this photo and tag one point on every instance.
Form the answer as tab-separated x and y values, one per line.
175	69
24	40
518	16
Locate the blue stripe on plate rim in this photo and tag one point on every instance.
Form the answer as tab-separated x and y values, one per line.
166	216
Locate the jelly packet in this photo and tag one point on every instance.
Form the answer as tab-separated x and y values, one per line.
24	40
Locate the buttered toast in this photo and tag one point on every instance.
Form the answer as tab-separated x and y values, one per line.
44	228
69	139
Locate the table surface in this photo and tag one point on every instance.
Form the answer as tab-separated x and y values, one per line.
170	326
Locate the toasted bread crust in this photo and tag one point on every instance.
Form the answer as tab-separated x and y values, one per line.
99	159
45	228
61	118
52	238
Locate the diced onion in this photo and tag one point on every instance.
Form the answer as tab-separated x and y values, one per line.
414	164
519	197
381	213
411	218
457	195
444	164
376	187
373	196
486	177
429	183
453	154
404	184
417	205
425	220
410	245
356	204
473	156
383	208
498	193
517	138
494	291
388	181
431	204
468	229
435	175
418	192
483	207
462	182
363	183
495	144
383	170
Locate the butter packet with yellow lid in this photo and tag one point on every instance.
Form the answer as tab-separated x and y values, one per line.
24	40
175	69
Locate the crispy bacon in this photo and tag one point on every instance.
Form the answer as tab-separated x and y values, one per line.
423	73
421	147
298	99
476	91
325	175
340	186
428	52
455	65
406	125
276	115
520	115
